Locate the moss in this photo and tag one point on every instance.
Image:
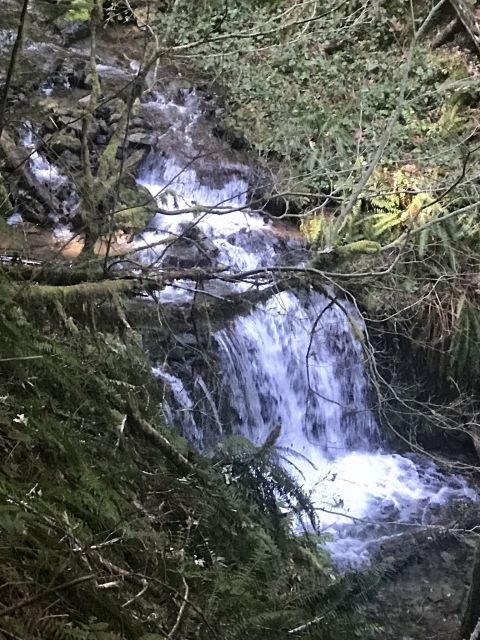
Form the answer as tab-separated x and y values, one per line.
78	293
136	207
452	63
65	142
359	247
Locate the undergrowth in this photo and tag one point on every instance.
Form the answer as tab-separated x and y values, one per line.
103	536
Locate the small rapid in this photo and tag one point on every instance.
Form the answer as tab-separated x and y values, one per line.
186	205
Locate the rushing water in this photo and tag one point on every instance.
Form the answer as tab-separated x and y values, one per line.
221	217
295	361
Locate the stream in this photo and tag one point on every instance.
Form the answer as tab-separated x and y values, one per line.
294	361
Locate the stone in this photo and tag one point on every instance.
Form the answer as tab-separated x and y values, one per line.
115	117
135	207
64	142
85	101
101	139
138	122
133	160
70	160
72	30
141	139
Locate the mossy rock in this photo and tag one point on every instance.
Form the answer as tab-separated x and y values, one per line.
136	207
65	142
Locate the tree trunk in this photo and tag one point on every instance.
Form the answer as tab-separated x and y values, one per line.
13	61
468	19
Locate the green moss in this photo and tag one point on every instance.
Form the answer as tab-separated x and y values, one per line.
359	247
64	142
136	207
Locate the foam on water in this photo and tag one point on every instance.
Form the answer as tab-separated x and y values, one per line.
186	203
44	171
182	412
193	193
15	219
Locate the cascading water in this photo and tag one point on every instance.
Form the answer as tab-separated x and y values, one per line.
220	217
201	196
298	363
294	361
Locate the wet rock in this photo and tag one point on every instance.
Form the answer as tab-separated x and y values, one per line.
85	101
141	139
70	160
101	139
194	249
236	140
68	74
138	122
30	206
115	117
133	160
64	142
72	30
425	594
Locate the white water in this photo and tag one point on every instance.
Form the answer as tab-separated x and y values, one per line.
50	176
185	203
200	197
181	413
42	169
295	361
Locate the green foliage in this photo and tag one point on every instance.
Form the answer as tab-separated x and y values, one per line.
319	93
78	9
6	207
102	537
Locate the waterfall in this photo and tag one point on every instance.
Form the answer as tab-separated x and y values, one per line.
297	363
296	360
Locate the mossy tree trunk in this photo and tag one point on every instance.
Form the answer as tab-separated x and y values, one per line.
89	199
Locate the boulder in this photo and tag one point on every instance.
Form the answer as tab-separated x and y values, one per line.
141	139
72	30
70	160
135	207
64	142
